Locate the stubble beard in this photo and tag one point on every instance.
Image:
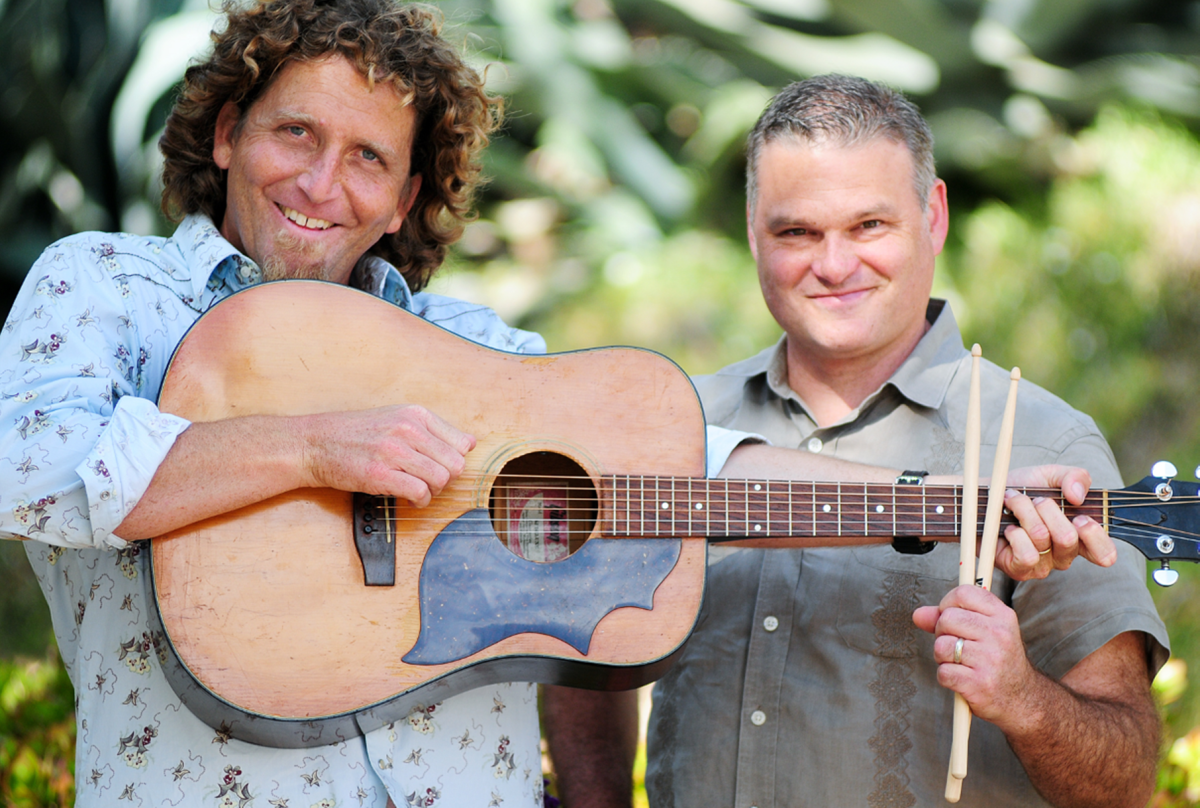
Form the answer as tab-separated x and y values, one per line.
295	259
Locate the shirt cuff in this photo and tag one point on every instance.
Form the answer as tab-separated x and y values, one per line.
722	442
118	470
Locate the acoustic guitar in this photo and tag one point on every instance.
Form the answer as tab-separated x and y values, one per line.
318	615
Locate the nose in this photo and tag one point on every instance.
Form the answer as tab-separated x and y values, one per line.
320	179
836	260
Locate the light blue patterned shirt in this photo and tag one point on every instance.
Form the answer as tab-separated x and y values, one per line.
84	353
82	358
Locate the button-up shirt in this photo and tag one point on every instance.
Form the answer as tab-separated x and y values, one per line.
806	682
82	357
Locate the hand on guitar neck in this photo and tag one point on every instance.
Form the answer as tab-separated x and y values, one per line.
220	466
1044	540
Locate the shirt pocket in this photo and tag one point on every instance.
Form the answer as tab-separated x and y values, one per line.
879	590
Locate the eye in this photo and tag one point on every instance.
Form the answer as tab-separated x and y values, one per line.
295	129
870	224
370	155
795	231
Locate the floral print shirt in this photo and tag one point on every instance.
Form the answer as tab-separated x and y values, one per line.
82	357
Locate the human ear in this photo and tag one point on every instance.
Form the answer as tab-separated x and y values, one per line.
223	135
408	195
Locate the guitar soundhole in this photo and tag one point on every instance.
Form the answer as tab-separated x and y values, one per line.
543	506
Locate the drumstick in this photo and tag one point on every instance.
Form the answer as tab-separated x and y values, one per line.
966	570
991	531
995	506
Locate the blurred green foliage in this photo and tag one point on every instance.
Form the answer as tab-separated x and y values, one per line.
1066	130
37	734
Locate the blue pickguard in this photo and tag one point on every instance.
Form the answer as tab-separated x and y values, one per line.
474	592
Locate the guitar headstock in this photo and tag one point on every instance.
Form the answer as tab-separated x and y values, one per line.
1159	516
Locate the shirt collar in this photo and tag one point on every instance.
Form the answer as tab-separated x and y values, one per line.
923	378
219	269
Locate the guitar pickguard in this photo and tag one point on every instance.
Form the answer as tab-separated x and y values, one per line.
474	592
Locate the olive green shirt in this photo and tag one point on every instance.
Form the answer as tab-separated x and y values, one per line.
806	682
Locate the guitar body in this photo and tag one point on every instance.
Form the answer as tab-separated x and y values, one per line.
274	636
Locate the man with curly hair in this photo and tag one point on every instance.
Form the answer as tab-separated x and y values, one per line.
334	140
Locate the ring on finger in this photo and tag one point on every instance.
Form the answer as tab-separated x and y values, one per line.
958	646
1048	549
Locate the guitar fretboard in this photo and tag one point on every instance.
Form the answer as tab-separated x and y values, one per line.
670	506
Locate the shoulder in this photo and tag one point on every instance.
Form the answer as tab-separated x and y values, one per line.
475	322
722	392
102	255
1043	419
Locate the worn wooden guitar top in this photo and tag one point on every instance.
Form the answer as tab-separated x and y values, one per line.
276	635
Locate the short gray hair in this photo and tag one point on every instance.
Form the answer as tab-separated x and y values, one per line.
846	111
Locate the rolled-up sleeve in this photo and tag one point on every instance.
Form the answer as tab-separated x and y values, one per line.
81	436
119	468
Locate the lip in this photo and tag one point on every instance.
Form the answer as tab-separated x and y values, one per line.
841	299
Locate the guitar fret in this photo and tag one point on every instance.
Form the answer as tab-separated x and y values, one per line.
791	508
642	526
746	516
708	497
767	518
924	506
839	509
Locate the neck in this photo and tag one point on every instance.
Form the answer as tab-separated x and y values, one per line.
833	386
807	513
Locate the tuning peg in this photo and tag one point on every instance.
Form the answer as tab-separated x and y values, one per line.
1165	470
1165	576
1196	473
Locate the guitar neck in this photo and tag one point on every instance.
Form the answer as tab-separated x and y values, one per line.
765	509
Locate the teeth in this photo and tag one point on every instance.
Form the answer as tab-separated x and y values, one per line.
304	221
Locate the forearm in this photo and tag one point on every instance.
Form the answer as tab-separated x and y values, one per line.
1091	739
217	467
1082	752
592	738
762	462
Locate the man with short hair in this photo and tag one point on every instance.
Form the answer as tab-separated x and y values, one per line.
806	682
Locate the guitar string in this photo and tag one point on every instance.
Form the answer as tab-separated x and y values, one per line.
846	523
911	522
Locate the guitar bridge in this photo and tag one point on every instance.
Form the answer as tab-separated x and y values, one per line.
375	538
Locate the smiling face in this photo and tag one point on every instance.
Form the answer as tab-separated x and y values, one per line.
317	170
845	252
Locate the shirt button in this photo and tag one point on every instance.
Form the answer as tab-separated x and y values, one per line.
758	718
814	445
771	623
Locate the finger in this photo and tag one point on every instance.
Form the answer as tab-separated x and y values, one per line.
462	442
926	617
416	445
1095	544
944	648
1064	538
1033	527
969	599
1075	483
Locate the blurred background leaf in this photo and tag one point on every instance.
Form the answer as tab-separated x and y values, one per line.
1066	130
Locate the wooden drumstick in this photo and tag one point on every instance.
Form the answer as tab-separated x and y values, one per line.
991	536
995	506
966	570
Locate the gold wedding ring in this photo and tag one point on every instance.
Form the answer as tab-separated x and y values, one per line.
958	646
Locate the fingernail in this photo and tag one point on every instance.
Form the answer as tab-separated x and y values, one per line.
1080	521
1009	493
1078	491
1038	500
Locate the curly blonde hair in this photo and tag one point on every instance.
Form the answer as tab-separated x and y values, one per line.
387	42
